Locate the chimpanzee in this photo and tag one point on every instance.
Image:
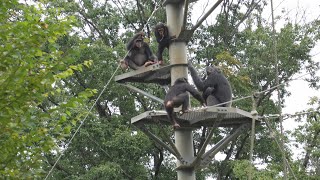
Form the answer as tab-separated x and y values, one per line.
177	96
163	39
215	87
139	53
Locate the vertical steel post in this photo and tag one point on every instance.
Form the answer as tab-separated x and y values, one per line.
178	55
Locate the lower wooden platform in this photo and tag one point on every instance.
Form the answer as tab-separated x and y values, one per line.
197	117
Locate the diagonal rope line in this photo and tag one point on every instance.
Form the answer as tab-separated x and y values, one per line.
85	118
280	146
260	92
107	154
155	9
286	116
157	6
82	122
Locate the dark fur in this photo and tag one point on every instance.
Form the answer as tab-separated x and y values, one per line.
137	57
163	41
178	95
215	87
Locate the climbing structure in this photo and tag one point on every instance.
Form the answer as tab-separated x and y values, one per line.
212	117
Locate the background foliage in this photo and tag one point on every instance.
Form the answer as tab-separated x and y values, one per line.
56	57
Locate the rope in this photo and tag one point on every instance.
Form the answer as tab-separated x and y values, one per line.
108	155
85	118
280	146
155	9
277	81
82	122
286	116
157	6
260	92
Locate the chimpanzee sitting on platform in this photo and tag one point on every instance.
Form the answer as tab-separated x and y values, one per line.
177	96
215	87
139	53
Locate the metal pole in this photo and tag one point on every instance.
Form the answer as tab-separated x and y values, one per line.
178	55
254	114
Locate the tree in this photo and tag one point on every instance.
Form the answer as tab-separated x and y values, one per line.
107	145
31	66
307	136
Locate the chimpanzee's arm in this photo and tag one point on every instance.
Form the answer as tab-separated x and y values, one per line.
148	52
131	62
196	79
195	93
164	41
209	91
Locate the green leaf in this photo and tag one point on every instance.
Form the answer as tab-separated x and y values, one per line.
38	53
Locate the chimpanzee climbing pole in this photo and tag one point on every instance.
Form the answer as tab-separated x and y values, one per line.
178	55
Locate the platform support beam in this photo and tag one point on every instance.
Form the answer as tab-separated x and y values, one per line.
143	93
208	156
178	55
160	142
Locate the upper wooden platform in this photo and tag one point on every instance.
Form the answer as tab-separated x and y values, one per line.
197	117
150	74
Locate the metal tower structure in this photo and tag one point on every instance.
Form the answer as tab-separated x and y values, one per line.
212	117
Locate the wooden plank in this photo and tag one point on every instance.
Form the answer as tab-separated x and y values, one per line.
197	117
151	74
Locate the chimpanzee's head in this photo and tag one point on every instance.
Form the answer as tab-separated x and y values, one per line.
138	42
212	70
181	80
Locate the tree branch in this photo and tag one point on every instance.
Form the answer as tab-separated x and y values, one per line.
58	166
123	14
92	24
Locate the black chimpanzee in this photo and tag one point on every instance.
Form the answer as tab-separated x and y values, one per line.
177	96
163	39
139	53
215	87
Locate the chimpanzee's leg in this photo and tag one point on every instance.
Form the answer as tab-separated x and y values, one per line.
179	99
209	91
182	99
212	100
132	64
169	105
185	103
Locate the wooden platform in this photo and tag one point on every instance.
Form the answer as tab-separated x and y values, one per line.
151	74
206	116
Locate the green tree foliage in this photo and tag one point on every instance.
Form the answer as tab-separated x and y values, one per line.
307	136
107	145
54	54
31	66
